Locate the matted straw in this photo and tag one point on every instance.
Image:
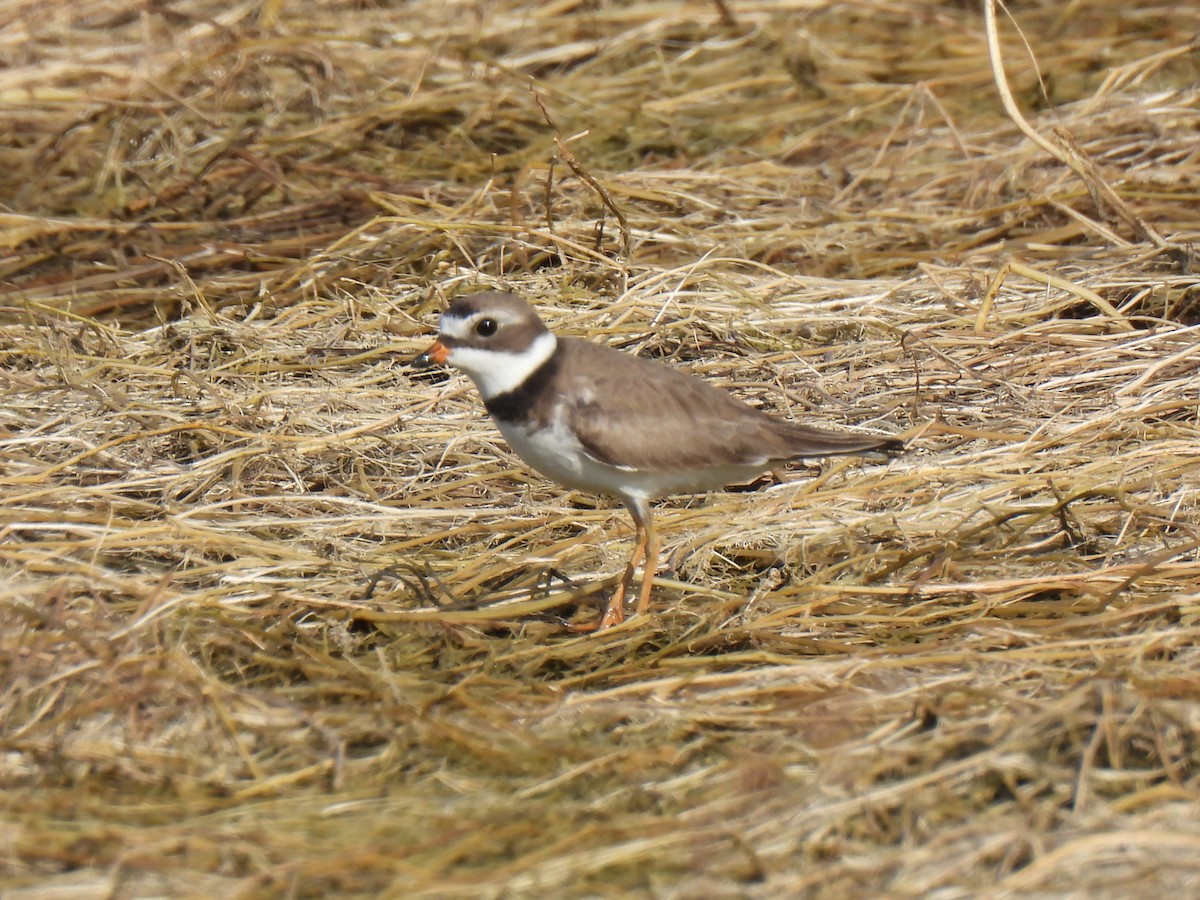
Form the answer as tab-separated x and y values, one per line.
281	615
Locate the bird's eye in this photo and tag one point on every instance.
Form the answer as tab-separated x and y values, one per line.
486	327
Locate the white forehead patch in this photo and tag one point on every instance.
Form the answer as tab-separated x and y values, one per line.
455	327
496	372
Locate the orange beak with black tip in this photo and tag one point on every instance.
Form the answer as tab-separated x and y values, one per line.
436	355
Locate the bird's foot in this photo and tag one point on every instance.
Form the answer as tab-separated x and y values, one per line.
614	614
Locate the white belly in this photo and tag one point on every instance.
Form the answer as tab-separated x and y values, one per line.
557	454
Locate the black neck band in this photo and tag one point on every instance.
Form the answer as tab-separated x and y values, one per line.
515	404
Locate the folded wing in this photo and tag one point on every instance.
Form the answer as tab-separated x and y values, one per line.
640	414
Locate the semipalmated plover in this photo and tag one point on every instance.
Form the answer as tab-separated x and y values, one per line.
599	420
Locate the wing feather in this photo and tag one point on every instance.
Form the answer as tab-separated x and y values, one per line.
641	414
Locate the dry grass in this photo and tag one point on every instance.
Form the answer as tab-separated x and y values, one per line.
971	671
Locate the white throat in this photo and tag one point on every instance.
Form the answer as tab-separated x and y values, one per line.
496	372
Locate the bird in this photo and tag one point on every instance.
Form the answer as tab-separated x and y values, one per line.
597	419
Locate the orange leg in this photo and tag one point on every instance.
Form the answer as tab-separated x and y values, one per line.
614	613
645	549
650	568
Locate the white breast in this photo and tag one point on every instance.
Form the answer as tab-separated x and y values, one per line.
557	454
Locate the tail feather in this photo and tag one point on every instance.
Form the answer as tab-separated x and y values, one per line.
801	441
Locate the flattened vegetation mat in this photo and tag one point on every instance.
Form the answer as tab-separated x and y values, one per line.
280	615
